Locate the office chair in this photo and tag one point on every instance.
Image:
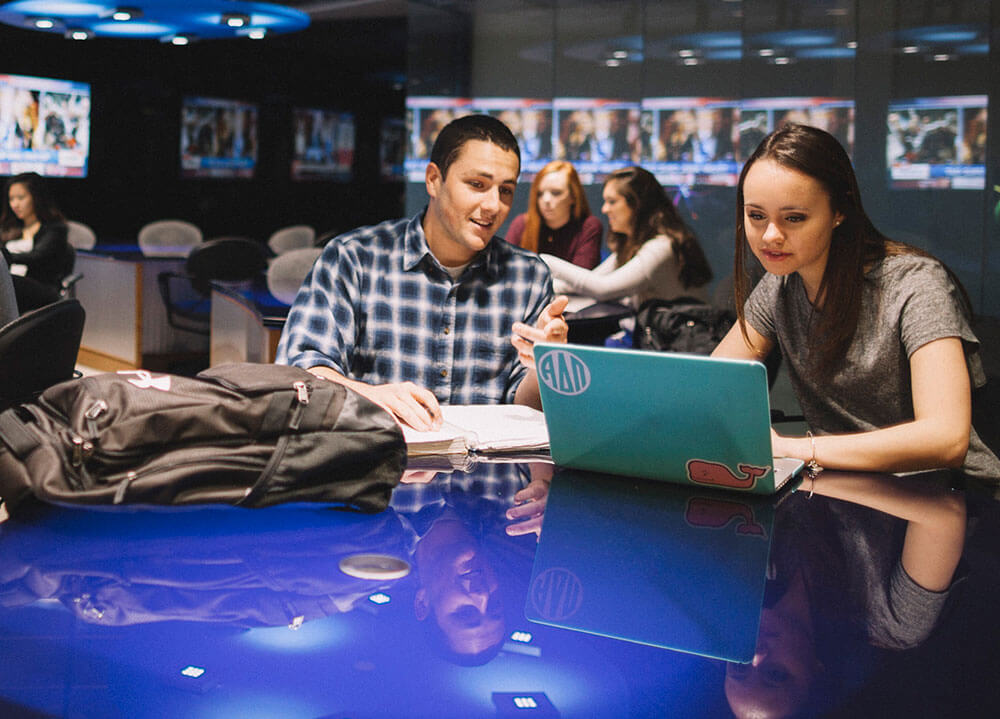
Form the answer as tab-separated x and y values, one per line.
187	296
39	349
286	272
291	238
168	238
80	235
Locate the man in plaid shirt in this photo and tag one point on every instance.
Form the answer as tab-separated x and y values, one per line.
435	309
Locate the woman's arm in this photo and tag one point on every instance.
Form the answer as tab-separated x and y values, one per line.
938	435
50	243
734	346
936	519
622	282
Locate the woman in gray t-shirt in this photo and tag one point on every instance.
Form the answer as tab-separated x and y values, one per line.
875	333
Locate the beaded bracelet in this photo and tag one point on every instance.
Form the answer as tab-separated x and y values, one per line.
813	467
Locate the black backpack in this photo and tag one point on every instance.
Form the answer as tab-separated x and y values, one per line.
684	324
247	434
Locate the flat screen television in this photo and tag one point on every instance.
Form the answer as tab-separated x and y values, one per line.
218	138
597	135
531	122
688	141
44	126
759	116
937	143
425	116
323	145
392	149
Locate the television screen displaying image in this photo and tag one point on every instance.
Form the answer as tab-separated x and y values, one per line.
392	149
323	145
44	126
937	142
598	136
688	141
218	138
425	116
531	122
759	116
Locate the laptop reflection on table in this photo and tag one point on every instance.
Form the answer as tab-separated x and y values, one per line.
659	564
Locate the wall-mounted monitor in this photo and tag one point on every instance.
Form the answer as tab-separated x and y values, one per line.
323	145
598	136
425	117
218	138
688	141
759	116
531	122
44	126
392	149
937	143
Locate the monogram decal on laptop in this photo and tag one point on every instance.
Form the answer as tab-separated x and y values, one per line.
563	372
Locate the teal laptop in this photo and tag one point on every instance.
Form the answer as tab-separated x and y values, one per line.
681	418
680	568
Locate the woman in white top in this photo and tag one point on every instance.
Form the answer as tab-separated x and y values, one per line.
654	254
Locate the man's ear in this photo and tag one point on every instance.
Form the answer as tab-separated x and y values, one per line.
433	179
420	606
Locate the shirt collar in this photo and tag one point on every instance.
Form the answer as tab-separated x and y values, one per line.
415	248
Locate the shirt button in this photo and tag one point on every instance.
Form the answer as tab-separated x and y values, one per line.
444	373
447	330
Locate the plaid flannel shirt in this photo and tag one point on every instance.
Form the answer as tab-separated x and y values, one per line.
379	308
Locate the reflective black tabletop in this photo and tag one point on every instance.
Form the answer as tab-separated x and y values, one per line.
510	590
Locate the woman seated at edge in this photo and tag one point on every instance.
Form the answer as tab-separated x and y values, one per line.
558	220
33	231
875	333
655	255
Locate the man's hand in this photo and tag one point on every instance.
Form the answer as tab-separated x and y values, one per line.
550	327
408	403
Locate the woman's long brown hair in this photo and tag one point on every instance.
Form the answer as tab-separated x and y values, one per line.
654	214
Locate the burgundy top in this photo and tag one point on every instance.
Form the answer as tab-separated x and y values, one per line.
576	242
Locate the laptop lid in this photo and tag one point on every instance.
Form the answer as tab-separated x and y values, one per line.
676	567
682	418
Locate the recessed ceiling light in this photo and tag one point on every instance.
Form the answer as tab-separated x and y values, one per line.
257	33
765	52
44	23
911	49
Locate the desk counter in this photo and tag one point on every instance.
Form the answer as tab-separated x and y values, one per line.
468	612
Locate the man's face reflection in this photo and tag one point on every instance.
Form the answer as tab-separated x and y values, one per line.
459	588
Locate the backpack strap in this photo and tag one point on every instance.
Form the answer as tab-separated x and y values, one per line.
15	434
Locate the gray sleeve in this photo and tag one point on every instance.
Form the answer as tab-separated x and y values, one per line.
931	309
761	304
909	615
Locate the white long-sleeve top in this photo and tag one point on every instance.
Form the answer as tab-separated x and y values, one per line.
654	271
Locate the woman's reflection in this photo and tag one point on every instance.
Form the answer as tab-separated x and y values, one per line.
847	578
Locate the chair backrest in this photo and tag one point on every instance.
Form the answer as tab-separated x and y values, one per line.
293	237
227	259
285	275
168	238
80	235
39	349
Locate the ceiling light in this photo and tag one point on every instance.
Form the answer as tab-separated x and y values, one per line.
235	20
685	53
691	61
911	49
612	62
78	33
43	23
180	40
782	60
853	44
765	52
942	58
124	14
257	33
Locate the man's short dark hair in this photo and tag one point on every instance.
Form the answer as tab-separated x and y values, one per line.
456	133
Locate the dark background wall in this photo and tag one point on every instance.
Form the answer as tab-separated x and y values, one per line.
137	88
